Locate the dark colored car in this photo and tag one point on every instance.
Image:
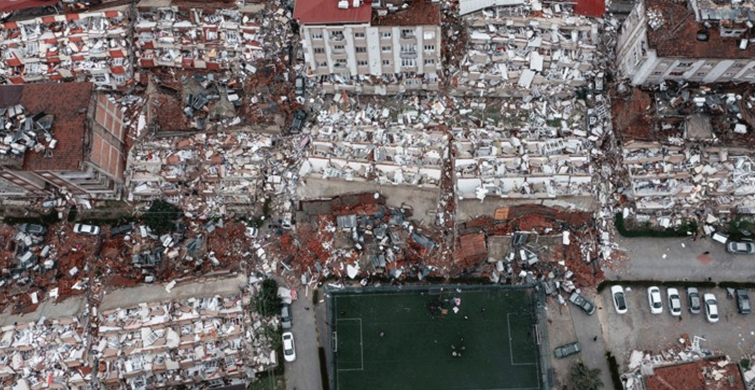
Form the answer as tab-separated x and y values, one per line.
299	86
286	321
300	116
693	298
121	230
582	303
567	350
30	228
743	301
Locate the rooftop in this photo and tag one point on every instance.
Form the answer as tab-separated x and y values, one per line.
68	104
16	5
328	12
675	34
698	375
419	13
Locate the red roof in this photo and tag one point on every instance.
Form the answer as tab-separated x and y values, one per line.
68	103
594	8
15	5
327	12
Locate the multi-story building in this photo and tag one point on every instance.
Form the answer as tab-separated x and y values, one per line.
176	33
352	42
701	41
89	46
60	137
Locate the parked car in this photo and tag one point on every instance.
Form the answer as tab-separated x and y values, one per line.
286	320
299	86
655	300
567	350
582	303
743	301
740	247
619	299
711	307
674	301
30	228
693	299
82	228
289	349
121	230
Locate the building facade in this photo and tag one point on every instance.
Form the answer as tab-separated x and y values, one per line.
74	143
701	42
353	43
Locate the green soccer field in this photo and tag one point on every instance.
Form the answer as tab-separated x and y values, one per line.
397	339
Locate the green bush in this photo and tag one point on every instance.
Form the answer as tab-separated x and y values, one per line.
267	302
687	228
613	366
745	363
161	216
585	378
44	220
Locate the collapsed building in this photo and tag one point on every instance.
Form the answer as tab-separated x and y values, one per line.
217	35
703	41
88	46
60	139
688	151
385	47
520	48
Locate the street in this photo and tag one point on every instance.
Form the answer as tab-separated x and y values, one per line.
685	259
304	373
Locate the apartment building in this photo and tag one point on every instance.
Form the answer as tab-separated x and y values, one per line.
60	137
86	46
371	47
699	41
177	33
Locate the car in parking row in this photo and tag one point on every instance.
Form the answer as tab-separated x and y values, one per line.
619	299
711	307
654	300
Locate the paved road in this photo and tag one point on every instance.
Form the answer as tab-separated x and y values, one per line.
590	336
304	373
684	259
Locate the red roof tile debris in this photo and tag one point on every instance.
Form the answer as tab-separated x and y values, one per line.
594	8
420	13
327	12
692	376
17	5
68	103
678	36
472	249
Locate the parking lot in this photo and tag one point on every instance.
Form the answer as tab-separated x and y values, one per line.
638	329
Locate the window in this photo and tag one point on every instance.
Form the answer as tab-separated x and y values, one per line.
408	49
429	34
386	62
316	35
385	49
676	74
738	65
120	79
657	73
728	74
708	65
700	74
359	35
429	47
336	35
338	48
429	62
319	50
684	65
408	62
361	49
340	63
407	33
361	63
322	64
385	35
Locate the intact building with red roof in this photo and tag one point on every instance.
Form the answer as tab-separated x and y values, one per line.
700	41
348	41
60	136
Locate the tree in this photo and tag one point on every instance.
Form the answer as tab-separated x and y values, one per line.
161	216
585	378
267	302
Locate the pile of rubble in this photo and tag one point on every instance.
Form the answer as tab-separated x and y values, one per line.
92	46
212	340
21	132
45	353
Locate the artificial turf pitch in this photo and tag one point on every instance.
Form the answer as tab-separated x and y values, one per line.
415	350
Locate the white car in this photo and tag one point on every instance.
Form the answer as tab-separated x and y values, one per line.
711	307
654	299
674	301
619	299
82	228
289	350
